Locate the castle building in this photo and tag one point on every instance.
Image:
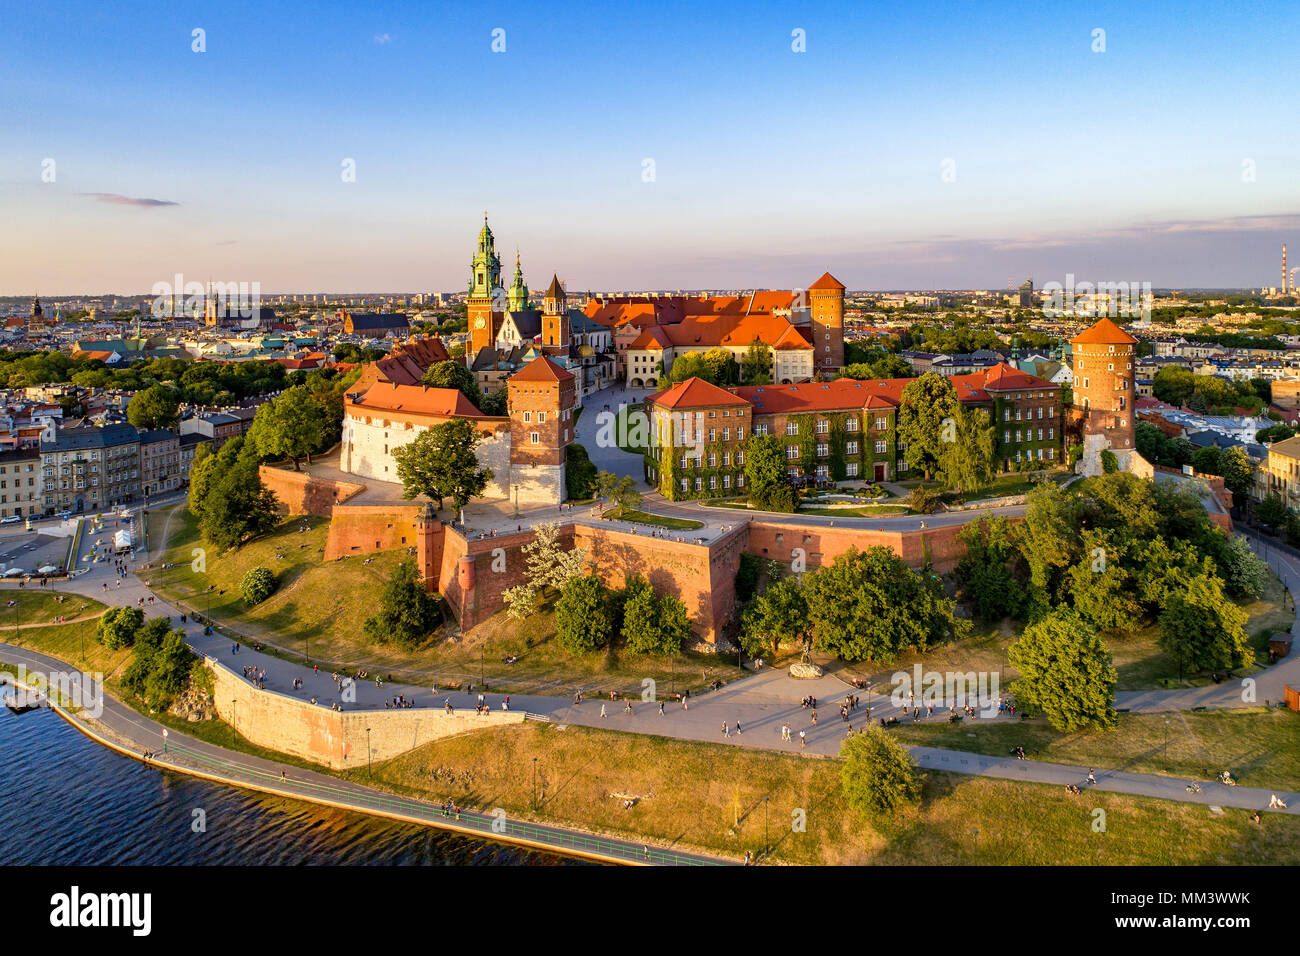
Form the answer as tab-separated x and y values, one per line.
826	297
486	302
525	449
843	430
1103	368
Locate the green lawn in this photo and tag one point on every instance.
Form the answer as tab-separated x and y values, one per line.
662	521
626	429
856	511
728	800
1260	747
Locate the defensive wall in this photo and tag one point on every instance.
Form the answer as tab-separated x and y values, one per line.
336	739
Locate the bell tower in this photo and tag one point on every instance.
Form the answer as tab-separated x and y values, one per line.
517	300
485	304
555	320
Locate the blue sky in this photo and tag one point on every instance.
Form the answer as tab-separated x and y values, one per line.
770	165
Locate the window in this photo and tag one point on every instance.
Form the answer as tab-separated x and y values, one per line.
851	469
792	452
1006	436
850	424
851	448
823	426
541	418
528	416
792	428
534	438
1006	414
882	447
823	451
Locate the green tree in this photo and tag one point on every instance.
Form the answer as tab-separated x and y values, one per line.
579	473
619	493
778	615
651	624
257	584
160	668
441	463
927	419
407	612
1202	630
985	572
291	425
747	576
453	375
236	506
549	566
969	461
154	407
1174	385
765	475
878	775
585	615
869	605
1238	472
1048	543
756	365
1066	672
117	627
1272	511
691	365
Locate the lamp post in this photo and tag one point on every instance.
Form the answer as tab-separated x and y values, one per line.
534	783
1166	744
368	758
766	845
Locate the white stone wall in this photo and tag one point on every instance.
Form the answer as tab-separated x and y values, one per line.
367	451
537	484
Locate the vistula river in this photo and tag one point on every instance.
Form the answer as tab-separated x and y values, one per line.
66	800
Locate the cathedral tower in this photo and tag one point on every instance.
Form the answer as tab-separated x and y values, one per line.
486	300
555	320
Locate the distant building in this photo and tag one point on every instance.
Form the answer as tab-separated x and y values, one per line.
20	482
90	468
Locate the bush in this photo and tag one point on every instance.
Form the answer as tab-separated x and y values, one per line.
158	672
879	776
586	615
1109	463
118	627
257	585
407	612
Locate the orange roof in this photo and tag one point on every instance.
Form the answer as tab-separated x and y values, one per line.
418	399
694	393
827	281
843	393
1105	332
542	369
651	338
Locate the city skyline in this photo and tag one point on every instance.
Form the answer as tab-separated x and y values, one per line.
950	154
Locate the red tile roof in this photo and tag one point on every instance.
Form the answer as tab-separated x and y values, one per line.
542	369
842	393
418	399
694	393
1104	332
827	281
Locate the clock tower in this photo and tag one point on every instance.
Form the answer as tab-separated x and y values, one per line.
486	300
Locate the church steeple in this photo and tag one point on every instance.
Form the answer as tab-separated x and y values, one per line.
37	311
485	270
518	297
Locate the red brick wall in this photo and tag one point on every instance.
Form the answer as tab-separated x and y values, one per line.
822	545
365	529
299	493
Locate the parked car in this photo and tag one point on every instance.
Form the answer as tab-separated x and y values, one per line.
11	519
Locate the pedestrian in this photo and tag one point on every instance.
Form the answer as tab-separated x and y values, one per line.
602	710
803	739
725	732
1092	777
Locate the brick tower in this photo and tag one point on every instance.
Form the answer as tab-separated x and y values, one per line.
826	301
1102	357
555	320
542	397
486	301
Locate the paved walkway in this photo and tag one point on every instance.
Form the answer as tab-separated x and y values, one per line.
133	733
761	703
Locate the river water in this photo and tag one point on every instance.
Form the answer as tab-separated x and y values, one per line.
66	800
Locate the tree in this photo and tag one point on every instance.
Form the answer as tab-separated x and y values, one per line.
236	505
765	475
691	365
927	420
879	776
968	461
407	612
1238	472
1279	432
117	627
160	669
722	365
988	582
154	407
1201	629
756	365
1066	672
1272	511
869	605
257	585
441	463
1174	385
618	492
548	567
1101	587
1109	462
498	403
453	375
747	576
579	473
585	618
1048	543
651	624
1207	460
292	425
778	615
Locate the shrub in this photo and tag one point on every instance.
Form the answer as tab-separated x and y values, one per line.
118	627
879	777
257	585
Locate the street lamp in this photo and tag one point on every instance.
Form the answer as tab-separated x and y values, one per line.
534	782
766	845
369	765
1166	744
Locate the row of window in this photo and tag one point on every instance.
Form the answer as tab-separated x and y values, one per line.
1029	413
686	483
1028	435
727	458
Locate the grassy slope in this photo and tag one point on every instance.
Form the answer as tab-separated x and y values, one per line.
711	796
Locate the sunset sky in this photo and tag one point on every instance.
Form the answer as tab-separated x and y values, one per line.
770	166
